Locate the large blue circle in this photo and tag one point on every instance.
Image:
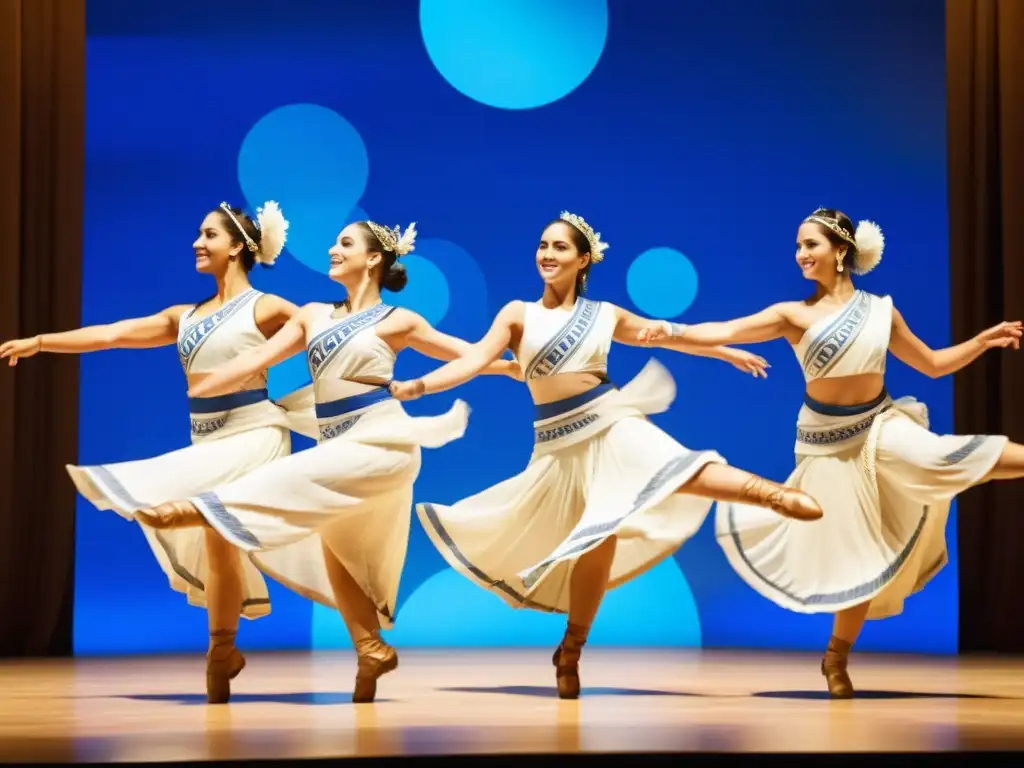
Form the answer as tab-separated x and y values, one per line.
288	375
657	609
514	54
662	282
468	315
427	291
314	163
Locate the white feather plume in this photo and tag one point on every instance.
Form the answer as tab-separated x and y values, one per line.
273	232
406	242
870	244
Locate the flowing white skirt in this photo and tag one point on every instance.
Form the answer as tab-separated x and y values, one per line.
232	436
599	469
885	483
352	492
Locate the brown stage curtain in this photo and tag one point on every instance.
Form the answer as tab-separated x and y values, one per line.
985	104
42	157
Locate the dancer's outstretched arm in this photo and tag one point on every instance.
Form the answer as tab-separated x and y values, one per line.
905	346
420	335
640	332
470	364
770	323
288	341
156	330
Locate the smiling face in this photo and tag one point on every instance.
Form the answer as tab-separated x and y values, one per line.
350	254
816	256
560	255
215	246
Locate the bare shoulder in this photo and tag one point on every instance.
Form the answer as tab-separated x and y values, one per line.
177	310
271	305
791	311
175	313
512	313
313	308
403	320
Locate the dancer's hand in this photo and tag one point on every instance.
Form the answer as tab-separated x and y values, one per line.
748	362
1006	334
657	330
513	371
17	348
406	390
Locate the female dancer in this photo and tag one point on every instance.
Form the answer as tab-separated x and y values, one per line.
606	494
883	478
346	502
231	435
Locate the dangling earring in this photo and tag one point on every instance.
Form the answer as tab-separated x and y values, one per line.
839	264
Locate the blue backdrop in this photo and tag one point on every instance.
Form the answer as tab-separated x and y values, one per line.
693	135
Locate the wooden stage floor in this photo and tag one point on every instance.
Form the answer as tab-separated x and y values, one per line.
479	702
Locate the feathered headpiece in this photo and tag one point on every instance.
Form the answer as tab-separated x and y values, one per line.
597	248
273	228
868	240
395	240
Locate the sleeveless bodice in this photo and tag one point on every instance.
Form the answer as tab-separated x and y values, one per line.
557	342
851	341
207	343
344	351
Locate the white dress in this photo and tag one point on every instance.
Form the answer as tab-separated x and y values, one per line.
353	490
231	435
884	481
599	468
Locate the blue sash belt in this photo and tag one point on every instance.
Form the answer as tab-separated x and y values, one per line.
825	409
220	403
336	408
558	407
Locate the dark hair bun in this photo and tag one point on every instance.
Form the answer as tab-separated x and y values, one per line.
396	278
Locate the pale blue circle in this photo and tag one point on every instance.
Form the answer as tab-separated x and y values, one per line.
356	214
314	164
468	315
288	376
514	54
449	610
662	282
328	631
426	293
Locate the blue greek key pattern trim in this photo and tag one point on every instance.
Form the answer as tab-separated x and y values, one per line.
835	341
204	427
494	584
836	435
839	597
557	352
585	537
211	506
330	431
106	482
965	450
326	345
195	335
547	434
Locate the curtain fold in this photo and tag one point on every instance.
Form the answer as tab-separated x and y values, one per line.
42	146
985	124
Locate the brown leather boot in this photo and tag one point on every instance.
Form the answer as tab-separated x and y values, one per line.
376	658
172	514
788	502
223	663
567	661
833	667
